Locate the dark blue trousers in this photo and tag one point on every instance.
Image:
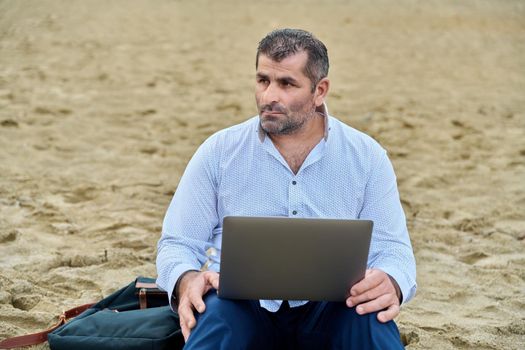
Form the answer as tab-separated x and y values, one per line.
241	324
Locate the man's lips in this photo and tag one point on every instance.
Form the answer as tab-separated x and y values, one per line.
272	113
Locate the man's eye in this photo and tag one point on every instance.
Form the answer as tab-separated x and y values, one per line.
262	81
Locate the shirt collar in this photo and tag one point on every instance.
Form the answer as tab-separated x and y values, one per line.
322	110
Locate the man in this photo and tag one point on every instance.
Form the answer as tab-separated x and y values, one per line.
295	160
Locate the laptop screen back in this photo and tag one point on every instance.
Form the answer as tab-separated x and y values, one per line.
292	258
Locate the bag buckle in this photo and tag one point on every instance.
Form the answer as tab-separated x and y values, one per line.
143	300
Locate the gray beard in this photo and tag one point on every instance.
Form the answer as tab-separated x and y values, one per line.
284	127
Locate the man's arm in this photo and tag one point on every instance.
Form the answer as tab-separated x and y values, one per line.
190	219
390	279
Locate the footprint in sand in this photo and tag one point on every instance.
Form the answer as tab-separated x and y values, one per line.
52	111
81	194
474	225
409	338
25	302
513	328
9	236
472	258
149	150
9	123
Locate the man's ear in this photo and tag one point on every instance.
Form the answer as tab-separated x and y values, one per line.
321	90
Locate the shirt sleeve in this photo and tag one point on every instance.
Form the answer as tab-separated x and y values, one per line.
390	247
189	220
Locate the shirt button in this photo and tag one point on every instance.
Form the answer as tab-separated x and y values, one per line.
294	212
294	182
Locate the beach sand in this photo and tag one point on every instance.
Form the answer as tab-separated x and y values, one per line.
102	103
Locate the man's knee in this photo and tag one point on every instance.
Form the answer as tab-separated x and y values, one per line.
223	308
226	324
363	331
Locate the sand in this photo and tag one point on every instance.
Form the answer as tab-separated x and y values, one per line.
102	103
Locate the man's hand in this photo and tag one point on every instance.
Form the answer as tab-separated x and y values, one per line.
375	292
192	287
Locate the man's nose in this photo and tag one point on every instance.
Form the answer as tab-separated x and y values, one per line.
270	94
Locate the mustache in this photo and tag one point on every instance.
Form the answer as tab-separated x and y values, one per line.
275	107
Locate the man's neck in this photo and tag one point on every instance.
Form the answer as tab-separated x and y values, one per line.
295	147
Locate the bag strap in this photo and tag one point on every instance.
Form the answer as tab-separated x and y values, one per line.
40	337
147	285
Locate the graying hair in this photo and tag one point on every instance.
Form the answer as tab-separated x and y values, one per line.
282	43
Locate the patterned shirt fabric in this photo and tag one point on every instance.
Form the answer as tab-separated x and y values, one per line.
239	172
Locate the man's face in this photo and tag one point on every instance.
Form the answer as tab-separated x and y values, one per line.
283	94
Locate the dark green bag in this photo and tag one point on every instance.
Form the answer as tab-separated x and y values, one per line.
135	317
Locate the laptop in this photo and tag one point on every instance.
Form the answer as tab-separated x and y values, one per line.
292	258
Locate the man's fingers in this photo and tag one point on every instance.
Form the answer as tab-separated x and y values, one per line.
185	331
185	312
214	281
197	302
211	279
378	304
375	293
367	295
389	314
372	279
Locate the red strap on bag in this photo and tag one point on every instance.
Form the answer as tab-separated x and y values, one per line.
40	337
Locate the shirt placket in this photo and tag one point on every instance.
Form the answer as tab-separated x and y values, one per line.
294	198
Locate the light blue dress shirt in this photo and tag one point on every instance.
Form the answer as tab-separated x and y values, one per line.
239	171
